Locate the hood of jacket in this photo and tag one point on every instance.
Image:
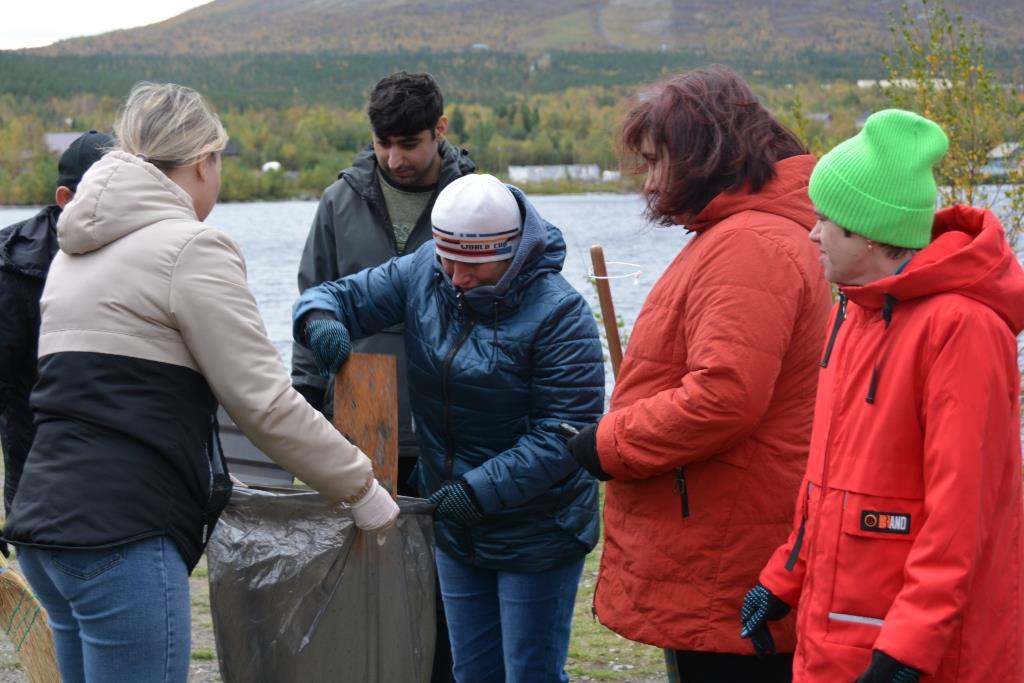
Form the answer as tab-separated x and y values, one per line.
541	250
28	247
968	255
362	174
784	195
118	195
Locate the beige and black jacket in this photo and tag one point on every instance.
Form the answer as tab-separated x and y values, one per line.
147	324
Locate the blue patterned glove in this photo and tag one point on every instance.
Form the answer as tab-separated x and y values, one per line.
885	669
760	607
328	339
456	501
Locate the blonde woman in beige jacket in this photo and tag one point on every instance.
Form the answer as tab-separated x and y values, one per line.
147	324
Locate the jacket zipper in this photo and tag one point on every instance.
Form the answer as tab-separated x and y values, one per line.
682	491
840	316
445	368
794	554
212	465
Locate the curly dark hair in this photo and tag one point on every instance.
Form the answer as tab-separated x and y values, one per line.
405	104
714	134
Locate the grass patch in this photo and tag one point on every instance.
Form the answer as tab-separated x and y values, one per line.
204	655
598	654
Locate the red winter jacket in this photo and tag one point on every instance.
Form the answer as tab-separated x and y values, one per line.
710	421
910	512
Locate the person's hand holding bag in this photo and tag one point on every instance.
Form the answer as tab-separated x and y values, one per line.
376	510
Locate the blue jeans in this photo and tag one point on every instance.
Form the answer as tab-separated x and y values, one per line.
507	627
118	614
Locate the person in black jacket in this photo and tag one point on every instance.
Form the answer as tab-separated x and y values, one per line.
26	249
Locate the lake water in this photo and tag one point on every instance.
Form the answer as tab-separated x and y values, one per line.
272	234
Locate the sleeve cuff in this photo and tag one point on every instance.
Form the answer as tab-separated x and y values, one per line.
483	492
607	452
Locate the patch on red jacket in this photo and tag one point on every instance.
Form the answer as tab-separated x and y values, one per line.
885	522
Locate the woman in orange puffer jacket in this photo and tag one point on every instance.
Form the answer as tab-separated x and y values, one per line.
711	417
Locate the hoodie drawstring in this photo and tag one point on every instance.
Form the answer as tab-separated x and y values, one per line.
876	372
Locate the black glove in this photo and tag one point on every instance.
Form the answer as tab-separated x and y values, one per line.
583	448
329	341
885	669
760	607
456	501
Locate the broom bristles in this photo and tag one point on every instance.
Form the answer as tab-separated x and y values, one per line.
24	621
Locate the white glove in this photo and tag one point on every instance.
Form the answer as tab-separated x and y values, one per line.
376	510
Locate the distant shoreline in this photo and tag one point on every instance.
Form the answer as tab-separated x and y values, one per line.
546	188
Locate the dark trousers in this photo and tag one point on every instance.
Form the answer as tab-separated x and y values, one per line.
714	667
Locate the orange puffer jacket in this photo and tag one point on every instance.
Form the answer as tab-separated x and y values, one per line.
908	533
710	421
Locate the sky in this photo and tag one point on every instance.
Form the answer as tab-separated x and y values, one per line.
34	23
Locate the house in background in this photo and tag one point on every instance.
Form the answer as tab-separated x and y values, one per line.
587	173
822	117
1003	158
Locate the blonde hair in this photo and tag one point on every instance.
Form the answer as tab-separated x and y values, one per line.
168	125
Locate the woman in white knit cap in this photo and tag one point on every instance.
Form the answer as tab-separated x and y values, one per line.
500	349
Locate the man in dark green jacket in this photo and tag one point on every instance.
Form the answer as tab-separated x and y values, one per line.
379	208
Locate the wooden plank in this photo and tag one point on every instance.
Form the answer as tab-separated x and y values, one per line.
366	411
604	295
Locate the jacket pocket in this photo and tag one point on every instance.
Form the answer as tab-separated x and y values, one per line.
874	541
807	500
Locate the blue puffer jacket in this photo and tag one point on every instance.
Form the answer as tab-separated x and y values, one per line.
492	371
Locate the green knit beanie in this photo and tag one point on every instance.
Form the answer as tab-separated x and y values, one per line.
879	183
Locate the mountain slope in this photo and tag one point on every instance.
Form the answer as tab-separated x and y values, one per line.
382	26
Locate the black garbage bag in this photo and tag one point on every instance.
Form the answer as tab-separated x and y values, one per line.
299	594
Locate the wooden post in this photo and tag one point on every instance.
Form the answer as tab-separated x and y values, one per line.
366	411
604	295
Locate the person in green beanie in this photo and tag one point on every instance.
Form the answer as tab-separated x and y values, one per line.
905	559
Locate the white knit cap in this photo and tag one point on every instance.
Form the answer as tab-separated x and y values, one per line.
476	220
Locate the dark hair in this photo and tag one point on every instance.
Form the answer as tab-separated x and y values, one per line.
891	250
405	104
715	133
